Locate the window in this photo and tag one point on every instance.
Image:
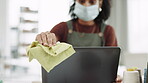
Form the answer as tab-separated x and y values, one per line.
138	26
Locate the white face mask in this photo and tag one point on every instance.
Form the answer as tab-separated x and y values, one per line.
86	13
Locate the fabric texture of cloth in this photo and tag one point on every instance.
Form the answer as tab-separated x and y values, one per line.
49	57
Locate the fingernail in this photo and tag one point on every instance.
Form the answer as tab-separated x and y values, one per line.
45	44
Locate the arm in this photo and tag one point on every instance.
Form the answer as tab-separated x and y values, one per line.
110	37
61	31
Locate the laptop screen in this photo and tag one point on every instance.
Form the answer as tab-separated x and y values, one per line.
87	65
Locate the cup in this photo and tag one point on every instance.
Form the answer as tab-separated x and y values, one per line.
131	77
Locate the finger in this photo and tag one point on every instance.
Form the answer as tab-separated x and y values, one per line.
38	38
44	39
49	39
53	39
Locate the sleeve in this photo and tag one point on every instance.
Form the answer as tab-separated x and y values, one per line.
61	31
110	36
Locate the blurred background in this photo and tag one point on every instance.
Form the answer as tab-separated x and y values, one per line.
21	20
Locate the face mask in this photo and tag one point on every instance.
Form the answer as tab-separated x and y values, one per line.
86	13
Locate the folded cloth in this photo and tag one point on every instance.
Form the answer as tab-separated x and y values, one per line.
49	57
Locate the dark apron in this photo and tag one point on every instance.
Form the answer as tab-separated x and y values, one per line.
78	39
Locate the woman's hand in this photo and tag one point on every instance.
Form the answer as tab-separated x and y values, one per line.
118	79
46	38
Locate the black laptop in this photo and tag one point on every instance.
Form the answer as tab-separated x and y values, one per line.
87	65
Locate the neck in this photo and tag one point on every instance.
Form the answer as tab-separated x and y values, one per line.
86	22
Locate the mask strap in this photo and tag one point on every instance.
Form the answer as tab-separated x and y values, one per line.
69	25
101	33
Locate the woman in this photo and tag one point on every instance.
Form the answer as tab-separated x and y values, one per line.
87	27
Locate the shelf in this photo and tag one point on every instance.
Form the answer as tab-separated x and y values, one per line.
22	20
25	44
34	30
25	55
14	28
27	29
27	10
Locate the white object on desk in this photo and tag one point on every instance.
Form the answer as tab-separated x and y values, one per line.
131	77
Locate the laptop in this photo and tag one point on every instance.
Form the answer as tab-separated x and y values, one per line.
87	65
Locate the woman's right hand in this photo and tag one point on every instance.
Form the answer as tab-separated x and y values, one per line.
46	38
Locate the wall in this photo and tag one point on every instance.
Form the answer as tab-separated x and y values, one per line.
2	25
118	20
4	30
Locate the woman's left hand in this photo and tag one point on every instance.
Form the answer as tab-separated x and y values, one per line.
118	79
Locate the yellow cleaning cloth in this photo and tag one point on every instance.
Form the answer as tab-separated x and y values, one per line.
49	57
